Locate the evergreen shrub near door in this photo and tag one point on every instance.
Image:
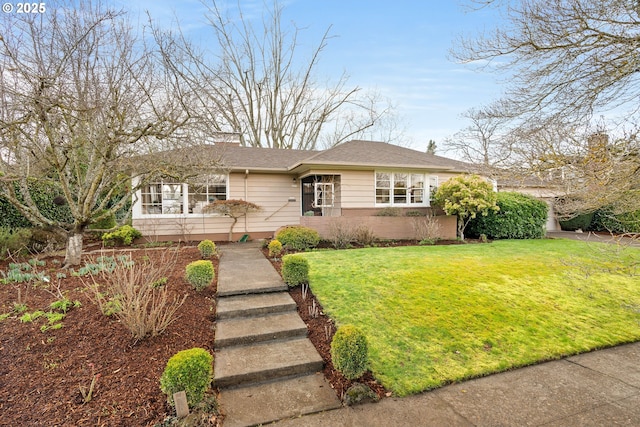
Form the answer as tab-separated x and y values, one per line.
298	237
190	371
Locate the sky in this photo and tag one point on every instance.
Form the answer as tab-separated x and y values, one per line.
399	48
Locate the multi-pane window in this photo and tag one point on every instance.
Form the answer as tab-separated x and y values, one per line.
162	197
383	187
323	195
213	188
171	197
401	188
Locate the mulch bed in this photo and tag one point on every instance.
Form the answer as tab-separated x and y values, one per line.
41	373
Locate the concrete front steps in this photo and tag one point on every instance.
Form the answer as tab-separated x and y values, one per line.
265	366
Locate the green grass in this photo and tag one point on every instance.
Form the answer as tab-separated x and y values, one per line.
439	314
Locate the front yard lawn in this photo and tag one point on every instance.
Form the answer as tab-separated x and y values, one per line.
440	314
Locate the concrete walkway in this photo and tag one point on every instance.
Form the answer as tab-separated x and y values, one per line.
594	389
265	366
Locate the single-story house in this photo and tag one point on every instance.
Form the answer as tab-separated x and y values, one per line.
350	182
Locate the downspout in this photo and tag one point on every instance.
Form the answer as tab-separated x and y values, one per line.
246	194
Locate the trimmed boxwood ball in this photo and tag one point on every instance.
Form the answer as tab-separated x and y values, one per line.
190	371
207	248
295	270
200	274
298	237
350	351
275	248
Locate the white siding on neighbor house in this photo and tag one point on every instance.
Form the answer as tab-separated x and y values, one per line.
277	195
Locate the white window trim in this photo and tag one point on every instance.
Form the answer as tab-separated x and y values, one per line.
136	210
320	189
426	189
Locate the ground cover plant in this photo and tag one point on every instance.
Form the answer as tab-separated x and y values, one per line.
438	314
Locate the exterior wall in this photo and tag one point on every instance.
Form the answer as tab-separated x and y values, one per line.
383	227
277	195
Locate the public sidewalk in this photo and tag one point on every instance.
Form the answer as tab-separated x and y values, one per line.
601	388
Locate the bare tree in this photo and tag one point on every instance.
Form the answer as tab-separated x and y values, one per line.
567	57
568	61
79	96
261	85
482	142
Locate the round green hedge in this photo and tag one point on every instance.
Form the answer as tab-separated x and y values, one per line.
298	237
200	274
295	270
350	351
190	371
207	248
520	217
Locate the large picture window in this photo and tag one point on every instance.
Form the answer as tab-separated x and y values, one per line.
403	189
167	197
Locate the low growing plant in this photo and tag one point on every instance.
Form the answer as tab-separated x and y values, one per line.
200	274
295	270
207	248
190	371
123	235
350	351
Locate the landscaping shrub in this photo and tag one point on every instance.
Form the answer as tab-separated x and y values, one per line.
389	212
520	217
341	233
43	195
606	219
207	248
13	241
295	270
350	352
298	237
126	289
426	229
364	235
190	371
275	248
123	235
579	222
200	274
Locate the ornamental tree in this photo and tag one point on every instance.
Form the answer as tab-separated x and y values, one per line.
232	208
466	196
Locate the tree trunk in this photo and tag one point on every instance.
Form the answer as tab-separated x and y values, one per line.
235	219
74	249
461	225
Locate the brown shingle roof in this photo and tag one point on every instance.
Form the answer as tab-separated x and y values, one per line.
349	154
381	154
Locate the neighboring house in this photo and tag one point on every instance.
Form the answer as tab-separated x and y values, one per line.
350	182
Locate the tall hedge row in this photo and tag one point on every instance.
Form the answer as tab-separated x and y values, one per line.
42	194
520	217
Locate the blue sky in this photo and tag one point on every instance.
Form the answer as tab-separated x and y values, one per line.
399	48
